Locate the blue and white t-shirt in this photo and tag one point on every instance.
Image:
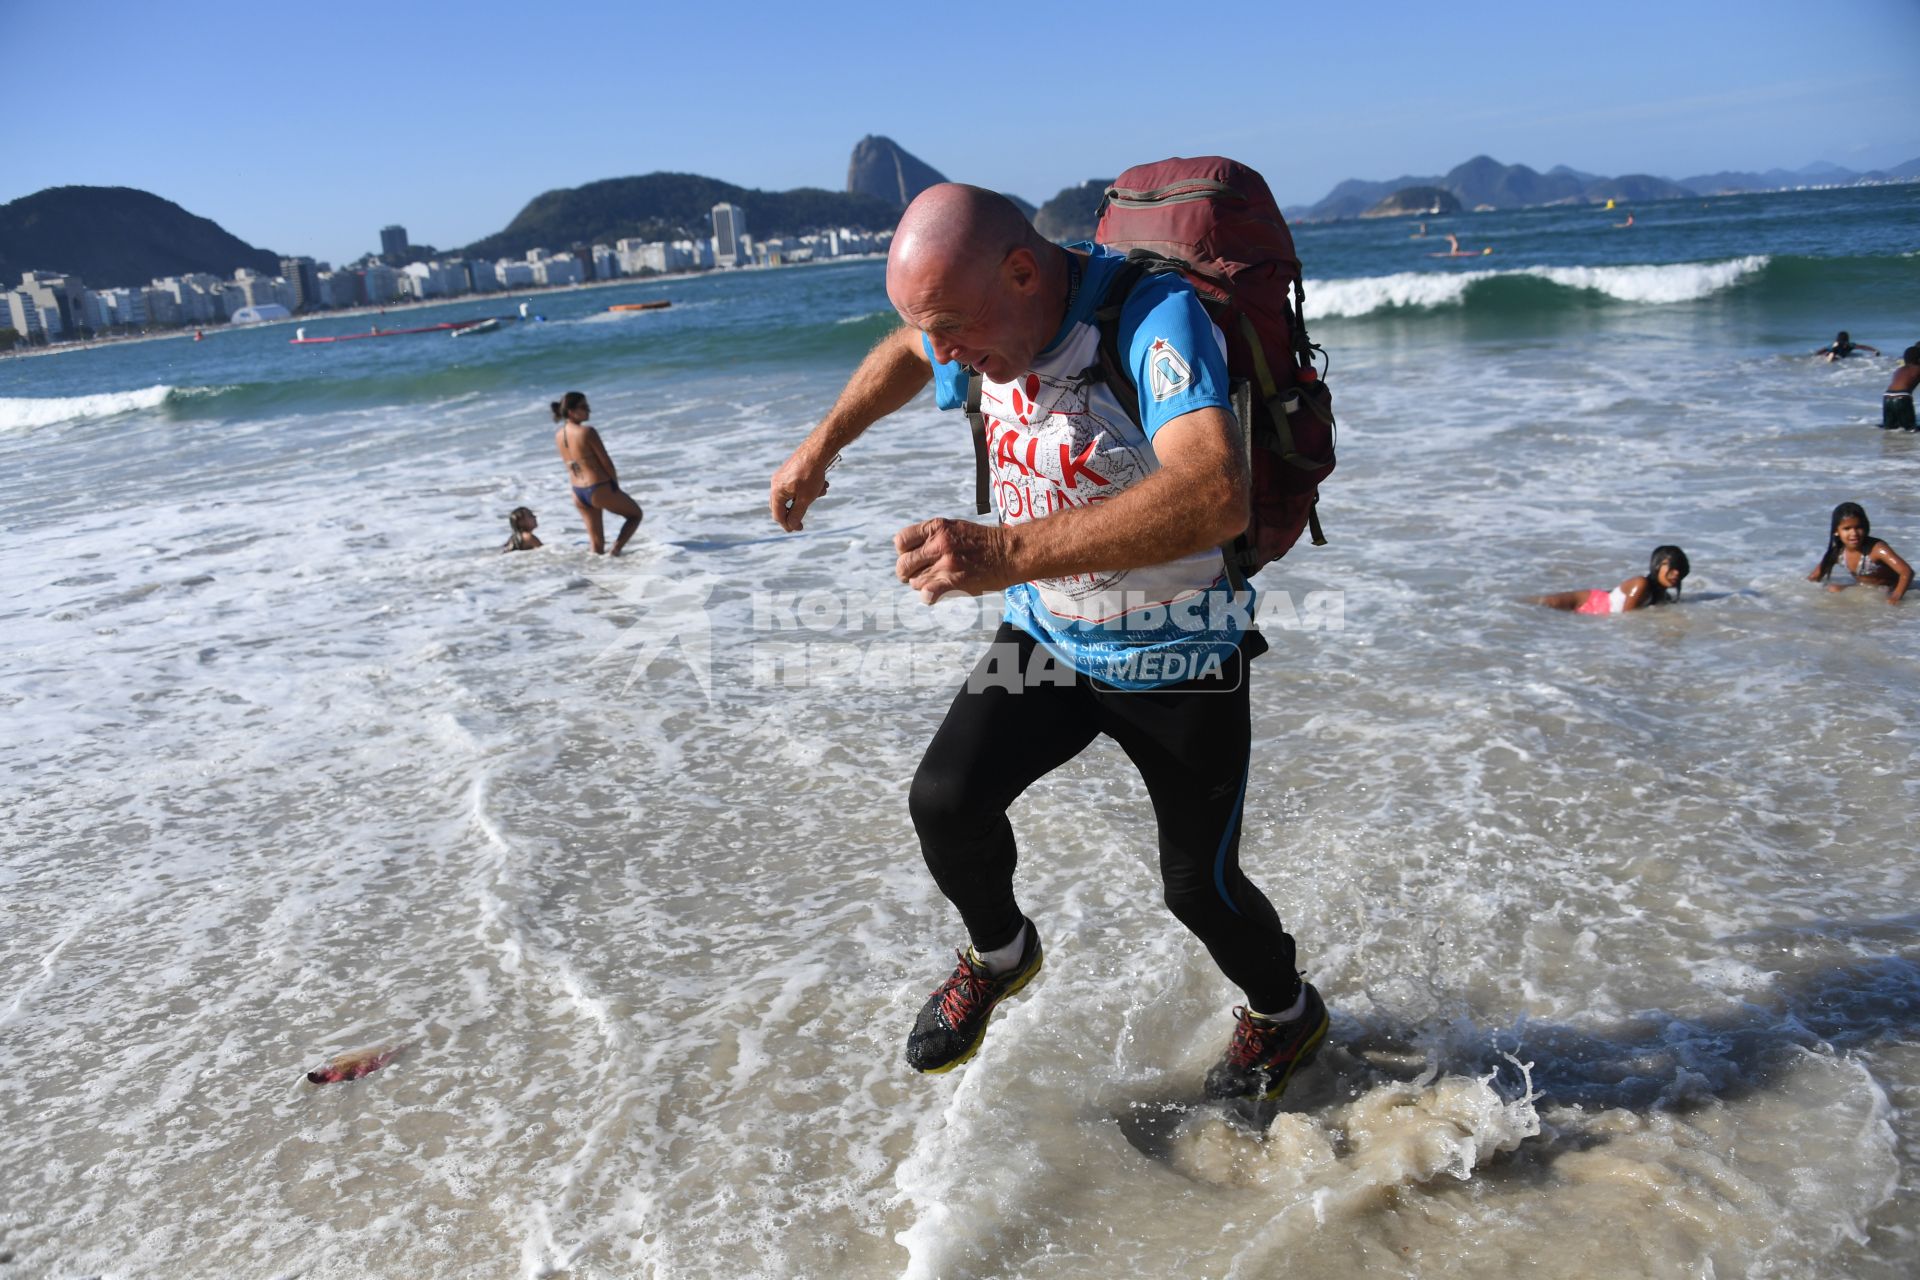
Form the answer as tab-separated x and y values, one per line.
1055	442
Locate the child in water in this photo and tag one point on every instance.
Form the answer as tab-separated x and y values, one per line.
522	522
1665	572
1851	546
1843	346
1896	404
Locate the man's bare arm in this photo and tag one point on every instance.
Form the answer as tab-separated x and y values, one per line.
892	374
1196	500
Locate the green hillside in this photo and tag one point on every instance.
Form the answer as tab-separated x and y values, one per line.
116	236
673	206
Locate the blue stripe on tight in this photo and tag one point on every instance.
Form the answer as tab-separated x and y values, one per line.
1226	841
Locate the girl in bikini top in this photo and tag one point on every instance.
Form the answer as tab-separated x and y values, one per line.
1851	546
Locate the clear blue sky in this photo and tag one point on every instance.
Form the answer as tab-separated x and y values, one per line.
305	129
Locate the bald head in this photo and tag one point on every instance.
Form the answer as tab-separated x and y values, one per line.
952	227
969	270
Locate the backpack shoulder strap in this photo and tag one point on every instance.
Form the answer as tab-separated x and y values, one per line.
1109	365
977	422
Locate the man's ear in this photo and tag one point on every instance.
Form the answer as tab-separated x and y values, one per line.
1021	270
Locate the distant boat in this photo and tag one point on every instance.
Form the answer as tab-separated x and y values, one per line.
300	338
485	326
641	306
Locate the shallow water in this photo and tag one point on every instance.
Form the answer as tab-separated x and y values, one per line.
1616	916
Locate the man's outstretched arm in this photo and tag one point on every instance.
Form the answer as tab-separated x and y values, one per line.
1197	499
892	374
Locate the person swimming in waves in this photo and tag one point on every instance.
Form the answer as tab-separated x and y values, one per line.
1852	546
522	522
1896	403
1666	570
1843	346
591	473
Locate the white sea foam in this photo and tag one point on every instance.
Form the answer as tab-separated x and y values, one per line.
308	767
1673	282
26	413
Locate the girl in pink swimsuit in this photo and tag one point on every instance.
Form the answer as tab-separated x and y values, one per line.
1666	570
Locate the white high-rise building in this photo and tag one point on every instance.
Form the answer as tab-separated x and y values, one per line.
561	268
22	314
124	306
729	227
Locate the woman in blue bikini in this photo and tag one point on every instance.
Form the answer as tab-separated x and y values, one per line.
596	485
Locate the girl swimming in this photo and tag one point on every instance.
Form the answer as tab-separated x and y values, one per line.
522	522
596	485
1851	546
1666	570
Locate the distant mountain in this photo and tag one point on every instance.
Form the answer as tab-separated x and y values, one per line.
1354	196
1584	177
1485	183
673	206
1070	216
1818	174
1635	186
116	236
1413	200
883	169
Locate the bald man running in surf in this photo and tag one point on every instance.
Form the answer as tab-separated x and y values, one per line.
1118	620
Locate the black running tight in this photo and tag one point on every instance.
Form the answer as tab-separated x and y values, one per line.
1190	743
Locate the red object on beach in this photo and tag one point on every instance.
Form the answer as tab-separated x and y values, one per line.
351	1066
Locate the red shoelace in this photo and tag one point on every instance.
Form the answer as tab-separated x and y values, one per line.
968	986
1249	1041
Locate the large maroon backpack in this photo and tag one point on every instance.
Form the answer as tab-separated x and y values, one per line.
1214	221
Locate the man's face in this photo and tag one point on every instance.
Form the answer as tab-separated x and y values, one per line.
976	321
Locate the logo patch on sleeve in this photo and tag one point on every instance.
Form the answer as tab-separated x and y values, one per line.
1168	374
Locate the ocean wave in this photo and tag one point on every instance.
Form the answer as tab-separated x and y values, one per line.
27	413
1655	285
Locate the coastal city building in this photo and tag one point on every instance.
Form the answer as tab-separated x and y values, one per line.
49	307
381	283
303	274
23	316
729	225
561	268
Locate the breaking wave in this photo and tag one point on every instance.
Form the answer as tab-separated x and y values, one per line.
1521	289
28	413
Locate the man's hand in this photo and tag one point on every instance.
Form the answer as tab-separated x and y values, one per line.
800	479
940	557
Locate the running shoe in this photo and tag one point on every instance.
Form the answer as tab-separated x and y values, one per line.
1264	1055
954	1020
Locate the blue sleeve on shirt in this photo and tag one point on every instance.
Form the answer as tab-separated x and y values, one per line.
1177	356
949	379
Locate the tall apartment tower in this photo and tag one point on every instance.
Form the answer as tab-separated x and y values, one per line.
729	224
393	243
304	275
